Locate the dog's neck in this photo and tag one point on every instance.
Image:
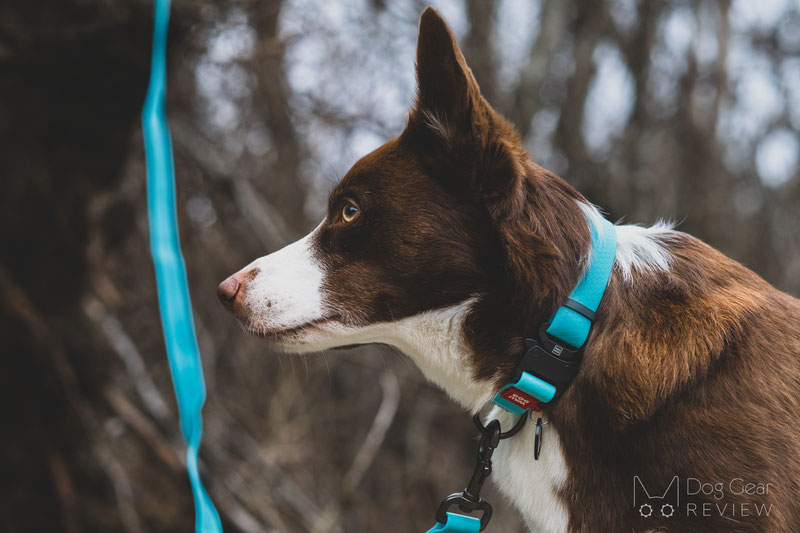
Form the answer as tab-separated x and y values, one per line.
439	344
435	341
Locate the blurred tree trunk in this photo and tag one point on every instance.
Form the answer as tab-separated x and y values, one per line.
526	99
478	47
588	27
283	186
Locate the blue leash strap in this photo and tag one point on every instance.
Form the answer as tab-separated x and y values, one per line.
173	291
457	523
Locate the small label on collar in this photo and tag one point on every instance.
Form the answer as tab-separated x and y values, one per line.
521	399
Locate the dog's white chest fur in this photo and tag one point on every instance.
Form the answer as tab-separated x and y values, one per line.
434	340
531	485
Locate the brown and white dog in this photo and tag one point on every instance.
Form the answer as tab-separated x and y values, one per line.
451	245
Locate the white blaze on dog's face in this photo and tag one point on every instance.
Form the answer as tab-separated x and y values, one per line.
282	292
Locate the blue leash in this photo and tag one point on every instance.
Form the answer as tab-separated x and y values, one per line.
457	523
173	290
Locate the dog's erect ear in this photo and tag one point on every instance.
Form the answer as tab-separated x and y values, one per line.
447	93
458	133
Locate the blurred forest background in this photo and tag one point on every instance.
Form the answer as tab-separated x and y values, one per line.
683	109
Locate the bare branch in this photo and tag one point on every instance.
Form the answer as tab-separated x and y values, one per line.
366	454
125	348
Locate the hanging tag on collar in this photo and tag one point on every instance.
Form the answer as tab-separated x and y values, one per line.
537	443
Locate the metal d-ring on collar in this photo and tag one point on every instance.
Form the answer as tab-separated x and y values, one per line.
518	425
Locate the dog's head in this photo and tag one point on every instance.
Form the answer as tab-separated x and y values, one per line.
420	225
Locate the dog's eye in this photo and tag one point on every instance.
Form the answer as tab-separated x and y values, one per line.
349	212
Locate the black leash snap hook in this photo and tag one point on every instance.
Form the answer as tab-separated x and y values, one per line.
466	506
469	499
490	438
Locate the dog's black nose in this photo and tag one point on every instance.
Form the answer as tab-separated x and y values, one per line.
228	290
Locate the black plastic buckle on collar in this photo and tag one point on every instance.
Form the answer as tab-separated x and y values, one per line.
469	499
551	360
